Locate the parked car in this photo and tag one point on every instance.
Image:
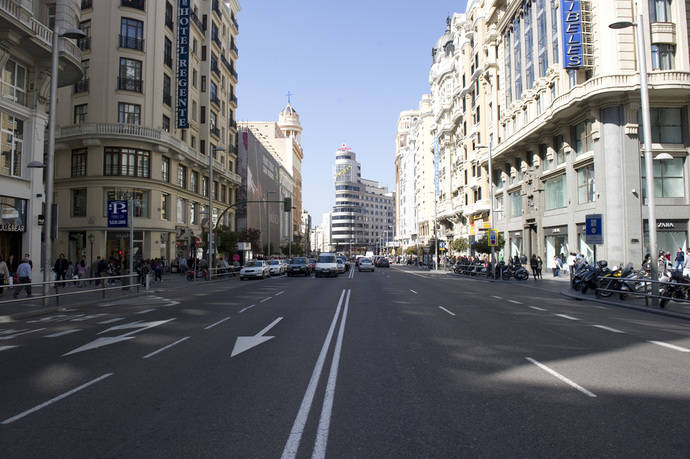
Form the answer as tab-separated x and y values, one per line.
365	264
257	269
276	267
326	265
299	265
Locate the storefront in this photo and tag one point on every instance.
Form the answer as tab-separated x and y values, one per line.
515	241
77	246
670	235
555	244
582	247
117	247
12	226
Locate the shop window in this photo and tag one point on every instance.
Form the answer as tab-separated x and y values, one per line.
585	184
669	178
79	202
79	162
12	135
555	193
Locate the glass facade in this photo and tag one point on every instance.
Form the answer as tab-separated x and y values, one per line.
669	178
555	193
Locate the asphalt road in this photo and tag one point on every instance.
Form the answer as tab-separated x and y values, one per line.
393	363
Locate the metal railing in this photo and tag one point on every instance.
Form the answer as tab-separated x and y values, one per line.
642	287
105	281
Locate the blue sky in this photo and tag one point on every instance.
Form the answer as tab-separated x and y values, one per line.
352	66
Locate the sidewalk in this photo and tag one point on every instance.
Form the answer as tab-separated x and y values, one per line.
29	307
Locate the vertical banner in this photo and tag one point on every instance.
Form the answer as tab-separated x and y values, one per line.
182	63
571	25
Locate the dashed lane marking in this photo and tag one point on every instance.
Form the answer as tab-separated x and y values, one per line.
166	347
248	307
670	346
145	311
536	308
497	297
265	299
110	321
216	323
449	312
63	333
413	291
22	333
5	348
514	302
611	329
565	316
561	377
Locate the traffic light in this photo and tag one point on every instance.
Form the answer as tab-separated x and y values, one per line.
287	204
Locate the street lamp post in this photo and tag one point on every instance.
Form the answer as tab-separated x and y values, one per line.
647	133
268	225
214	149
491	195
50	157
91	238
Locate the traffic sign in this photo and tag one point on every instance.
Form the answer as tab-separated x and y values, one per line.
594	229
117	214
493	238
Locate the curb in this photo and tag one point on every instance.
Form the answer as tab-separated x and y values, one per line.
660	312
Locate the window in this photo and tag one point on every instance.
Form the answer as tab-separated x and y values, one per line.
215	190
138	4
165	206
515	204
83	84
223	193
669	178
194	213
85	43
194	76
139	197
79	202
129	78
167	52
585	184
555	20
194	110
583	138
202	146
165	169
203	83
555	193
127	162
79	162
666	125
517	58
167	98
663	56
131	34
12	134
203	114
559	147
13	82
541	37
182	176
660	10
529	46
213	92
129	113
204	186
181	211
506	54
194	182
166	123
169	15
80	113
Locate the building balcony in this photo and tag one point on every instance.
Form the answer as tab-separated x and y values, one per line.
131	42
86	4
233	100
233	124
216	40
197	22
133	132
214	131
216	70
215	100
226	63
81	86
84	44
129	84
216	9
167	100
663	32
233	49
36	40
233	21
137	4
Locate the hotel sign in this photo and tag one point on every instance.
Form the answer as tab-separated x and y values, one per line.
571	27
182	63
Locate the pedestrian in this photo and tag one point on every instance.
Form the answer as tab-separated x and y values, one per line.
662	263
556	266
61	265
4	275
24	277
534	264
680	260
523	259
81	271
69	273
540	266
12	265
158	270
570	261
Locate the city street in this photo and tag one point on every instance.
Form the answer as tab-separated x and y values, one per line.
395	363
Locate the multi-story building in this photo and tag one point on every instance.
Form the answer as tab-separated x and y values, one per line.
26	32
306	230
156	100
405	205
363	215
321	237
561	109
283	139
422	144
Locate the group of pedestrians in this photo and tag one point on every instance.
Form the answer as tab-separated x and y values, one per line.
16	273
146	267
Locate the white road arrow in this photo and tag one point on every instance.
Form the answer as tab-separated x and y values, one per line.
139	327
244	343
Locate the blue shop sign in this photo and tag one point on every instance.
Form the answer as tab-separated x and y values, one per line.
117	214
571	27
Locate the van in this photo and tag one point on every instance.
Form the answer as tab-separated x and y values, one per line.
326	265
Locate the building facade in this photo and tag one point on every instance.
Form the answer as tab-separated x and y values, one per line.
26	31
405	204
156	101
563	124
363	215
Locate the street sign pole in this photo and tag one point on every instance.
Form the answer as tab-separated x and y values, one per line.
130	214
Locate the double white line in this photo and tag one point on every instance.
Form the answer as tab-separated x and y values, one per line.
293	441
352	273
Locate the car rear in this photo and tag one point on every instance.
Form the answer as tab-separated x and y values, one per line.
326	265
299	266
365	264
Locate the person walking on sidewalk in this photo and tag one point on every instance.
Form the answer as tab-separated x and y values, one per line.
61	265
680	260
534	264
4	274
571	264
24	275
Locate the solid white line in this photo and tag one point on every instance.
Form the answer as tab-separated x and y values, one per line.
165	347
23	333
279	293
110	321
604	327
217	323
497	297
12	331
56	399
248	307
561	377
265	299
413	291
293	441
670	346
513	301
566	316
451	313
537	308
4	348
62	333
144	311
327	408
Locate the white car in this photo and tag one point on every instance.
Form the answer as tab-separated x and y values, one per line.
257	269
365	264
326	265
276	267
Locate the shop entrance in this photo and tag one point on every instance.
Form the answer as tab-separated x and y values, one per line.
117	244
